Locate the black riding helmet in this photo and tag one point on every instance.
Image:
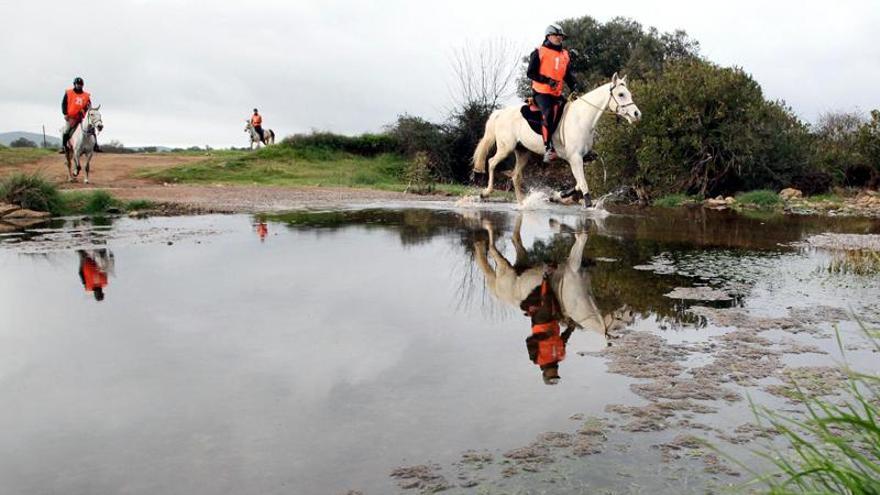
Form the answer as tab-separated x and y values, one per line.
78	80
255	111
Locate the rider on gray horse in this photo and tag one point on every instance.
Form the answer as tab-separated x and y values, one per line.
548	68
74	105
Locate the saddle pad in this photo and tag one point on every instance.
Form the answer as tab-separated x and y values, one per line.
532	114
532	117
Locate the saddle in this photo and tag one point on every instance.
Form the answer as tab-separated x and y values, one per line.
532	113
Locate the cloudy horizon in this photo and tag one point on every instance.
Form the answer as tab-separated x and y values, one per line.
189	73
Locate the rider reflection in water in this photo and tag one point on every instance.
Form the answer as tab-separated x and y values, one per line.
546	345
92	273
262	230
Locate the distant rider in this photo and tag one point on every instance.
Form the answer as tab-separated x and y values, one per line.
74	106
257	123
548	68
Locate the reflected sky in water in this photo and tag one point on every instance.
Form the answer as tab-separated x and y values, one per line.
312	352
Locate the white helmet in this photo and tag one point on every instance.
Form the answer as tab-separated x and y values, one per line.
554	29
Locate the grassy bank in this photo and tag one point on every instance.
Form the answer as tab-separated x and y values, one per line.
285	165
17	156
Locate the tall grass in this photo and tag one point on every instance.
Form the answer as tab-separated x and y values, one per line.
32	192
835	446
863	262
762	198
96	202
672	200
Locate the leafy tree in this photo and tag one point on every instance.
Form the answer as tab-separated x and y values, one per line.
706	130
23	142
841	148
620	45
868	144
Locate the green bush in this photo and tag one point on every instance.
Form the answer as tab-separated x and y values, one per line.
763	198
706	131
362	145
32	192
99	202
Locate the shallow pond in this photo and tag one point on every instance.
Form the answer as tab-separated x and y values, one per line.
322	352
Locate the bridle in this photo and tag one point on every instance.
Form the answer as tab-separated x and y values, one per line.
90	124
607	107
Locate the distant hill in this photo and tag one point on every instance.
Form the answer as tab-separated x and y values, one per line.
8	137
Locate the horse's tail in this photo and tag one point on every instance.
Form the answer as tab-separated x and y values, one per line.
485	144
271	136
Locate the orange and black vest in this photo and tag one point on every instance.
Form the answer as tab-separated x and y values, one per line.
552	348
77	103
93	277
554	64
257	120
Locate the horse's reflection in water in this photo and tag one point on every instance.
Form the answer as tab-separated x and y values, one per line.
94	265
551	294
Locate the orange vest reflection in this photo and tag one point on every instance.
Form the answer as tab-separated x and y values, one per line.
262	231
546	345
91	274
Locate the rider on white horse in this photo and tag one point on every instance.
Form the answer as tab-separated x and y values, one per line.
257	122
548	68
74	105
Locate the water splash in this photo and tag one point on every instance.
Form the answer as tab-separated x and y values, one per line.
537	199
600	203
469	201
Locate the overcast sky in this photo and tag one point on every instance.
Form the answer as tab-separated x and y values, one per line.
182	73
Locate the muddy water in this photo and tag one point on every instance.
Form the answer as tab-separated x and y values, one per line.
324	352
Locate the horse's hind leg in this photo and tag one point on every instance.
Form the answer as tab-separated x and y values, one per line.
503	150
522	158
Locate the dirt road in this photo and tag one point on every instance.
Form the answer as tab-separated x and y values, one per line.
117	173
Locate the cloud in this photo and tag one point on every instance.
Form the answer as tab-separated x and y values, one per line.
182	73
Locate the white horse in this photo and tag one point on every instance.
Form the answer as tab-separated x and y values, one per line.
82	143
509	131
268	135
570	283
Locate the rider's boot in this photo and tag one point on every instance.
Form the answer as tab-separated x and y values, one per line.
63	149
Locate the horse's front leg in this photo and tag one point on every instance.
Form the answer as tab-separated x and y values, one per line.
88	162
77	164
69	159
576	161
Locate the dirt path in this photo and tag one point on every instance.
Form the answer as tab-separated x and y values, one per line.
117	174
108	169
